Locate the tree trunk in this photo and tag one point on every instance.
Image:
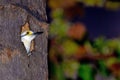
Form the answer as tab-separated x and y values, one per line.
14	62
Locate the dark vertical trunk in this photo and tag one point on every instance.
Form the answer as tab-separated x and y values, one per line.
13	58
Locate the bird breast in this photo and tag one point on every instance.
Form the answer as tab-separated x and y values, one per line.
28	38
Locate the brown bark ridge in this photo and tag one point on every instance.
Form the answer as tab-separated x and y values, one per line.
14	62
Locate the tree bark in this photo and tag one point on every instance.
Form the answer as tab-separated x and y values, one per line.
14	62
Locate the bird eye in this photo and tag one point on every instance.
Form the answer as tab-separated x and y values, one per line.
27	33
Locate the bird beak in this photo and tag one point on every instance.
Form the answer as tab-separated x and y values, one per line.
37	33
23	35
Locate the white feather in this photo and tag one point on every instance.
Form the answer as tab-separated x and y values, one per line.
26	44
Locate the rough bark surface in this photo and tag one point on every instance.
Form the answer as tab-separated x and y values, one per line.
13	58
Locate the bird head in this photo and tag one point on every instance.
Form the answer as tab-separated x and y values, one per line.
26	33
29	33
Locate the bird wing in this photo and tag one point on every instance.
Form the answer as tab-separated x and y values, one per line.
27	45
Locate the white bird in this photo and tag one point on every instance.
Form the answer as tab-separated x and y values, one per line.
27	37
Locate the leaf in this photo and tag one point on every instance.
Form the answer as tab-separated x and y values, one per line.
61	3
56	72
59	73
111	61
118	49
88	47
70	47
85	72
70	68
99	3
112	5
58	27
57	14
101	45
89	2
103	68
113	43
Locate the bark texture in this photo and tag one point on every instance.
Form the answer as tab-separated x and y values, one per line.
13	58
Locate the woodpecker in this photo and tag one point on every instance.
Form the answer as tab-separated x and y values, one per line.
27	37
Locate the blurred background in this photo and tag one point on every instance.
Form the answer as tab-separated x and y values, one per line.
84	39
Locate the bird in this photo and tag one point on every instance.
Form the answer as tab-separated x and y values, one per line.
27	37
